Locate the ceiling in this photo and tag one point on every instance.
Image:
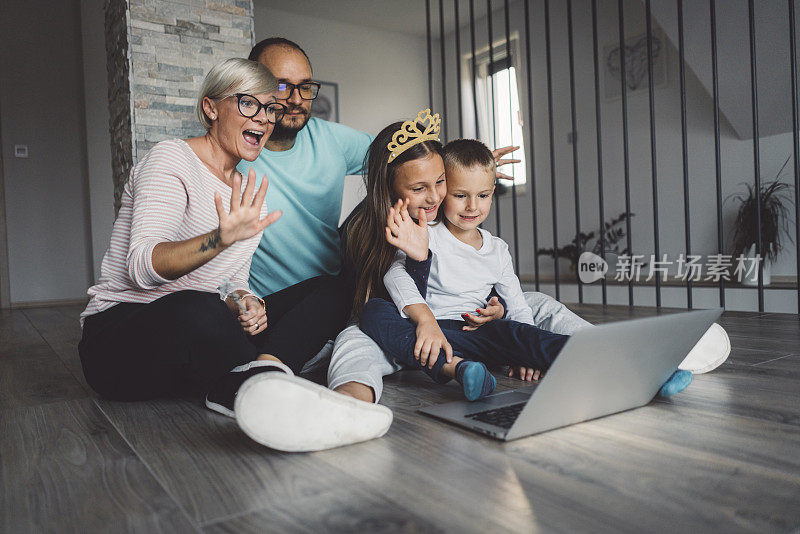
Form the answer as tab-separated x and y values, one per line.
404	16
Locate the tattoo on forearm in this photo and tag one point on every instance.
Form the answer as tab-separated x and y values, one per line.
211	241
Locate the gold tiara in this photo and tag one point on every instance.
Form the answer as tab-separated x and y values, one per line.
409	134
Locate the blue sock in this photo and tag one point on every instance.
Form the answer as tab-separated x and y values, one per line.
676	383
475	379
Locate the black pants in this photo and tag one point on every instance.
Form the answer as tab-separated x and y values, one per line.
188	340
183	341
302	318
500	342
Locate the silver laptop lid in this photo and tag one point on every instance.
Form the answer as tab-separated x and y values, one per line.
610	368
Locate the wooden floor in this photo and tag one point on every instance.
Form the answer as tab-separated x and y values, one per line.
722	456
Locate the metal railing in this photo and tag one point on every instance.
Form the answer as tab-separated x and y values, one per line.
530	98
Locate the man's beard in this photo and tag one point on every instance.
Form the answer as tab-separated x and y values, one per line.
288	133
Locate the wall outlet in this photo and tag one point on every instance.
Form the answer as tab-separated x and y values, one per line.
20	151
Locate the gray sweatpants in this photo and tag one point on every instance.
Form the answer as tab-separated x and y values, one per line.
356	358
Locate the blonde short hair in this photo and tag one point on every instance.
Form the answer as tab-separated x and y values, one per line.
235	75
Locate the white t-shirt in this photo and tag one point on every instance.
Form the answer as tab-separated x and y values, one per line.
461	277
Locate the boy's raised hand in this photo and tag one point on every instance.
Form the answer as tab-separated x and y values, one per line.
409	236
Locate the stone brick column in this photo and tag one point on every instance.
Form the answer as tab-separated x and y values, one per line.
158	53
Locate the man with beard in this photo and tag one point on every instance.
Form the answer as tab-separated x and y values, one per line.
306	160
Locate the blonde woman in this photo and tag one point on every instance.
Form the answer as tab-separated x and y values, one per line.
189	223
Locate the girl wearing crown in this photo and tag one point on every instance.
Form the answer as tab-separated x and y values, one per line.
405	162
383	245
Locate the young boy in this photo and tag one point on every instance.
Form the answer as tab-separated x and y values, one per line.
466	262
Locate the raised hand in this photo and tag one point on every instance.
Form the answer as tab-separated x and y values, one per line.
498	160
243	221
493	310
403	233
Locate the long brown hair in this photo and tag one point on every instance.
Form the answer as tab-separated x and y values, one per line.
367	248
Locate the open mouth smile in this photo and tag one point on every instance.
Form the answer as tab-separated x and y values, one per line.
469	218
253	137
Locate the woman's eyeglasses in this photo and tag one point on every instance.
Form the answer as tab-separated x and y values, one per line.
307	90
249	106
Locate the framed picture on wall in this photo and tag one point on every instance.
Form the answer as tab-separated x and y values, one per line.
326	105
635	65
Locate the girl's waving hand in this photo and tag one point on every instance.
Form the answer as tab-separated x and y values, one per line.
409	236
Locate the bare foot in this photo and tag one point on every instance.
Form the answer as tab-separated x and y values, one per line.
269	357
357	390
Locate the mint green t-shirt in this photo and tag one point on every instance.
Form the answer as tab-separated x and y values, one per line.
305	182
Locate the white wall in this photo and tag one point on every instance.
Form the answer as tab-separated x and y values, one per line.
41	99
737	154
98	140
382	76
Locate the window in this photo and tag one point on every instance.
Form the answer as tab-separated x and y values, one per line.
499	117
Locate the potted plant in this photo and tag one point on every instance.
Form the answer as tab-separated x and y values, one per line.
775	200
613	234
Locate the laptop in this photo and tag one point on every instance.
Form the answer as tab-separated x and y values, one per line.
601	370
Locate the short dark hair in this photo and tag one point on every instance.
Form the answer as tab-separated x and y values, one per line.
468	153
259	48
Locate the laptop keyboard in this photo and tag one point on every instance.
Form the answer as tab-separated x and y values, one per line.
503	417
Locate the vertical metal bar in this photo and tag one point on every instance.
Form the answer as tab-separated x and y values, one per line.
430	57
795	138
625	154
511	125
532	151
595	47
458	68
575	177
474	66
653	158
491	101
445	137
684	147
717	162
756	150
552	142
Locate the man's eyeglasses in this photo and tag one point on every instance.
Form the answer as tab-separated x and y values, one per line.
249	106
307	90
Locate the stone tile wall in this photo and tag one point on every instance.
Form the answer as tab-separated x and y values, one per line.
171	45
119	94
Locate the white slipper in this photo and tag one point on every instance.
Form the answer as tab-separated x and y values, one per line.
222	396
709	353
292	414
